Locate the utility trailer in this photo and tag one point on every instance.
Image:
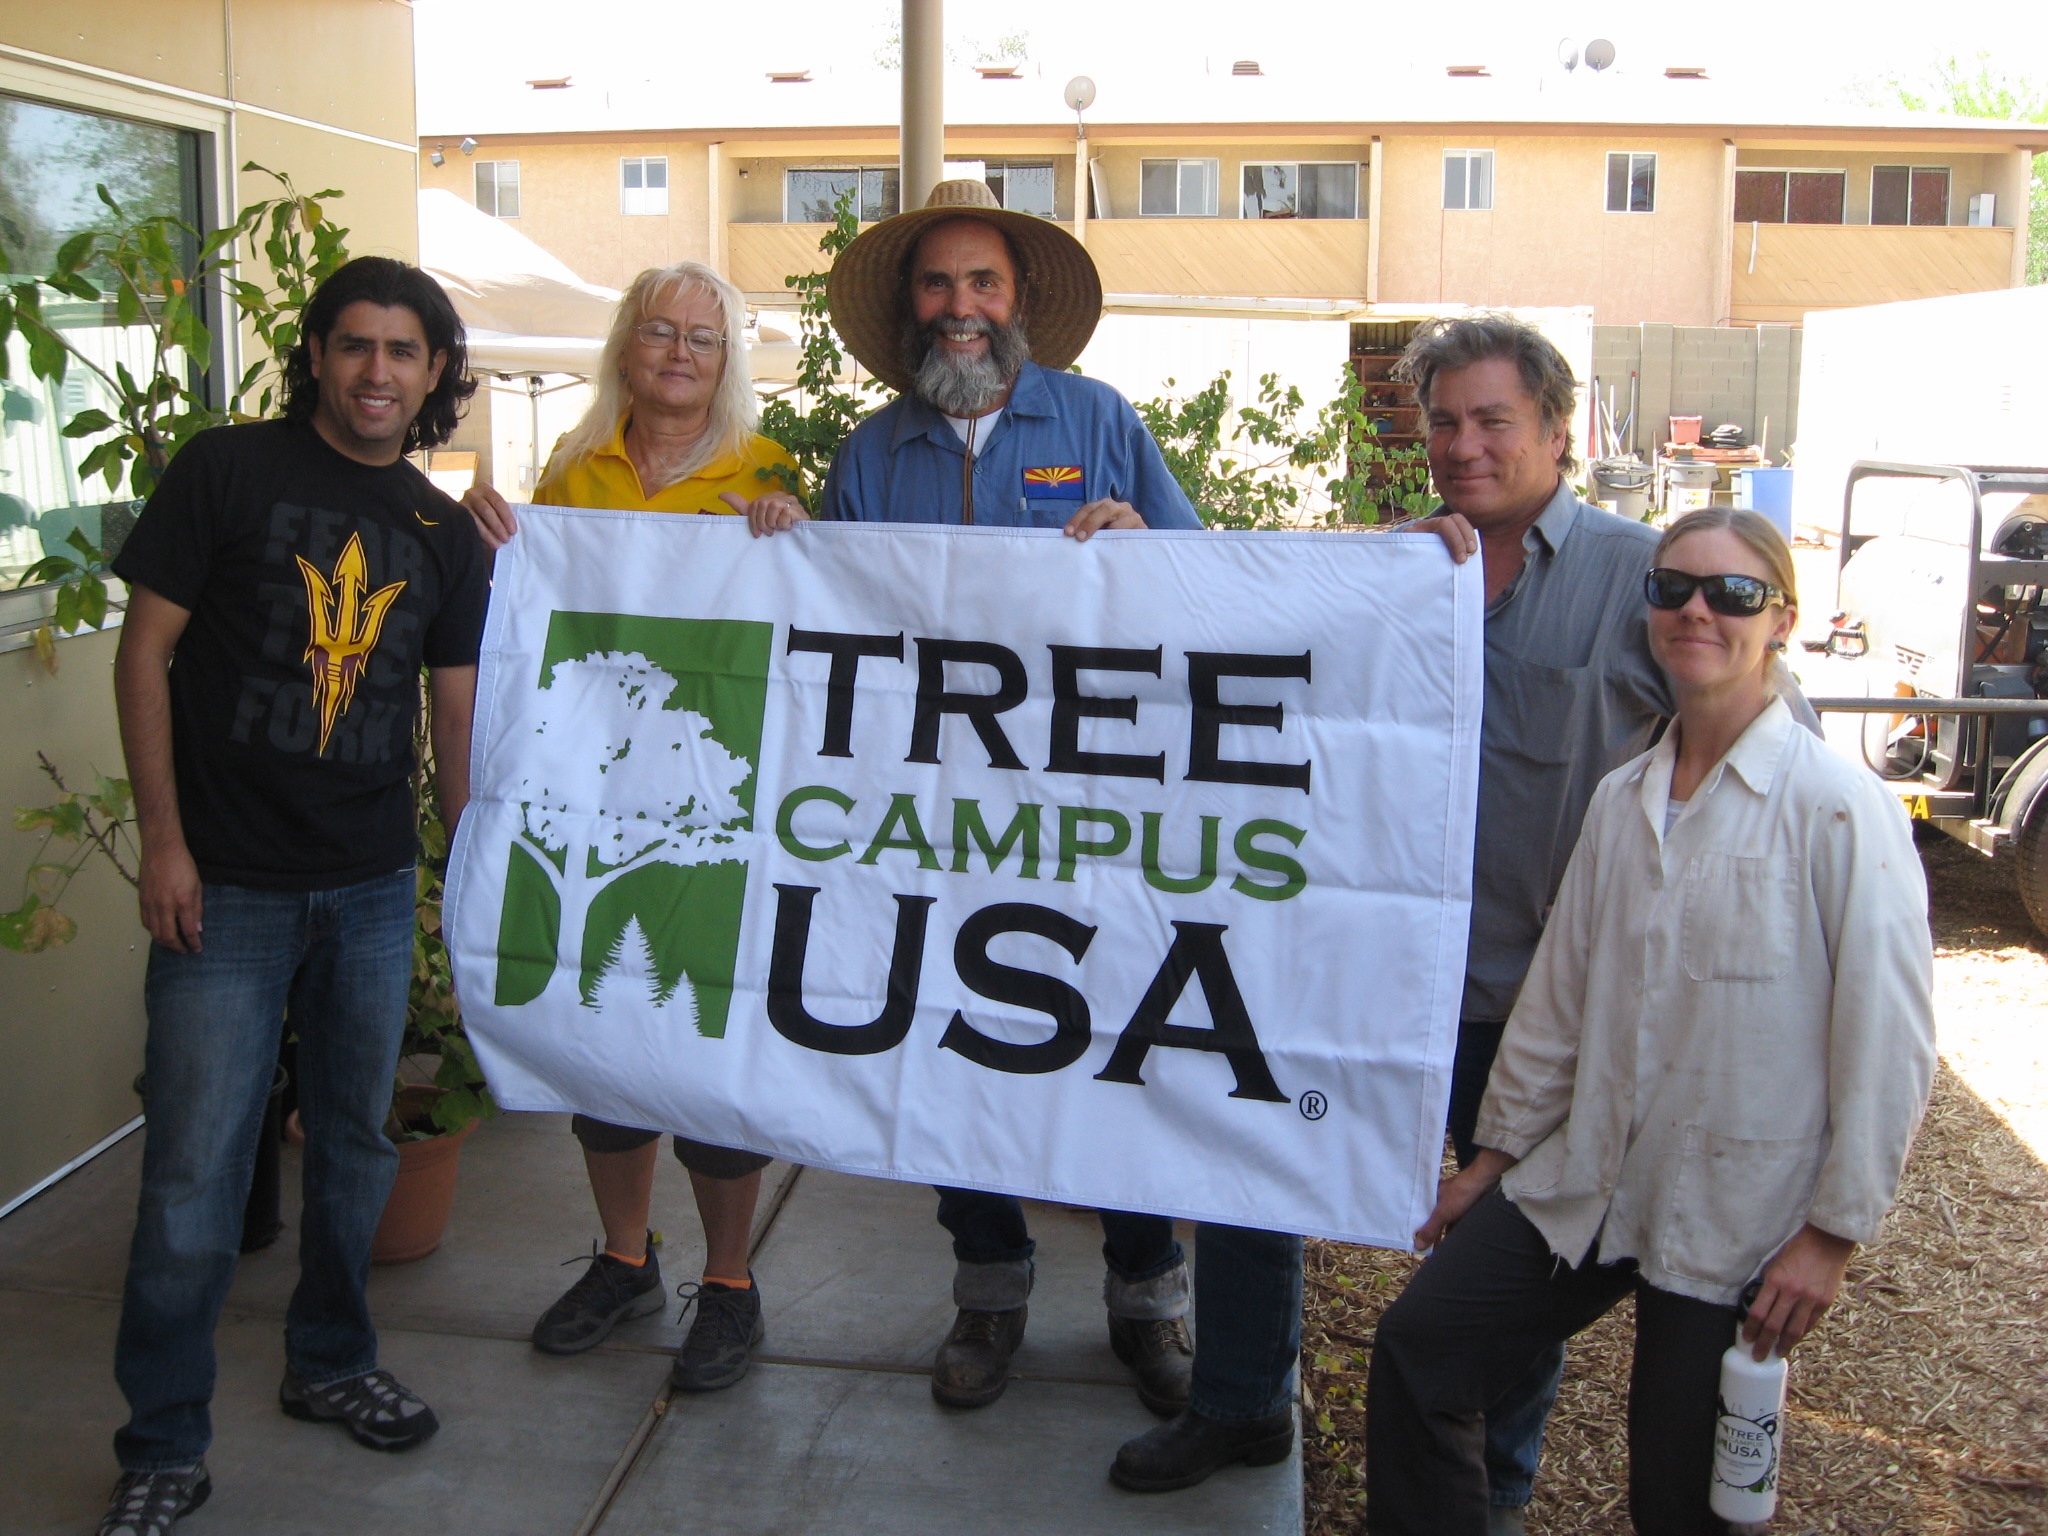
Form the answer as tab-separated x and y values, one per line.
1949	630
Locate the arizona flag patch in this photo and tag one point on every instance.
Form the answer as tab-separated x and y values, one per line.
1057	482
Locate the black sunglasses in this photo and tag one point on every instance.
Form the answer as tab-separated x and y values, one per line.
1739	597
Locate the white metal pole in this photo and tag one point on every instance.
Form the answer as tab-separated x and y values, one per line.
924	107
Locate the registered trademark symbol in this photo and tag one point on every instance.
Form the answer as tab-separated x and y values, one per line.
1314	1106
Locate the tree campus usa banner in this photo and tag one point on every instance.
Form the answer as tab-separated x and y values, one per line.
1133	874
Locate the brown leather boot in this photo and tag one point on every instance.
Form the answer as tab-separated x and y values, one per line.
1159	1355
973	1365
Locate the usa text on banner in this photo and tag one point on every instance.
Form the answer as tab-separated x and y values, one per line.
1133	873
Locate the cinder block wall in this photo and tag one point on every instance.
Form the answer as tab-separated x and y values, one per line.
1747	375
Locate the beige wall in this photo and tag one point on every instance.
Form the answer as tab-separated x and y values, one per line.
1548	239
569	202
1967	174
71	1019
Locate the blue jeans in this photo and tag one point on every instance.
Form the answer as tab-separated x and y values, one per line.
340	963
990	1229
1515	1422
1247	1321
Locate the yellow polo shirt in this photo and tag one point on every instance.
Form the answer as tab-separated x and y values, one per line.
606	478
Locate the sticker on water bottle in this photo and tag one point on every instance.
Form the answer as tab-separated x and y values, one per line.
1746	1452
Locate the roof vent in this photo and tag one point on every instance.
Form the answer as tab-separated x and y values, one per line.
790	76
559	84
998	71
1686	72
1467	71
1246	67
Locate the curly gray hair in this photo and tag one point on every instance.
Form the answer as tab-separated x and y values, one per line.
1458	341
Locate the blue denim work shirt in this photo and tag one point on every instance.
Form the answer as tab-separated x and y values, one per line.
1062	442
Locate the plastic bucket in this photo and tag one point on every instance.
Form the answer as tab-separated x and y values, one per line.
1686	429
1768	491
1624	486
1689	486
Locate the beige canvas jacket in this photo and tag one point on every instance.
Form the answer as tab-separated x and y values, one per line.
1727	1031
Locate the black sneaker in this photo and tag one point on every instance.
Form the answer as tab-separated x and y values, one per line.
374	1408
608	1293
149	1503
720	1344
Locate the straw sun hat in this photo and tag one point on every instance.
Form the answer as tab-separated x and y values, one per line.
1062	293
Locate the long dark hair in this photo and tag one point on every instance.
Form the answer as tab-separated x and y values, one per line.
389	283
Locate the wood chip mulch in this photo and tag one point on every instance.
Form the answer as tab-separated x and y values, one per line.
1920	1407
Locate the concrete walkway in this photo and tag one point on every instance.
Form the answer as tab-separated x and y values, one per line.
834	1430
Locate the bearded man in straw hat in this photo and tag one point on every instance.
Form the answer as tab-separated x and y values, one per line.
973	313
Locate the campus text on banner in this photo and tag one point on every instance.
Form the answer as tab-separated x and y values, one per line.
1133	873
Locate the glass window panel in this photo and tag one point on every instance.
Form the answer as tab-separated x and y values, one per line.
1479	179
1271	192
508	189
629	175
1197	189
1157	184
1642	184
655	170
1329	191
1888	193
1816	197
1930	194
881	194
1759	197
50	160
813	193
1454	179
1617	183
1027	189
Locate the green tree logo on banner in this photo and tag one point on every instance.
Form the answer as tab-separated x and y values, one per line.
626	882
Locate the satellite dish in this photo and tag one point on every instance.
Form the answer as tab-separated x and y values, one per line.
1599	53
1568	53
1080	93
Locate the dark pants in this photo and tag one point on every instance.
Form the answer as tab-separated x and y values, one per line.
990	1229
341	961
1487	1303
725	1163
1514	1424
1247	1291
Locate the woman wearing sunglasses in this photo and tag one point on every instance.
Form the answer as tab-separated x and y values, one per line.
671	430
1711	1076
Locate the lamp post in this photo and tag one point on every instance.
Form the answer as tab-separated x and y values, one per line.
923	152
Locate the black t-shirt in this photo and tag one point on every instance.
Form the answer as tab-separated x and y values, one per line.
318	587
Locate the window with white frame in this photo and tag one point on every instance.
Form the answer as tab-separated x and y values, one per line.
1024	186
497	188
1468	179
1631	182
643	184
1183	189
1301	190
811	193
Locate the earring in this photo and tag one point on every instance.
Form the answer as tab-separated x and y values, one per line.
1774	645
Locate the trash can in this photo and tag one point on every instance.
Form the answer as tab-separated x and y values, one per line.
261	1221
1689	486
1623	486
1768	491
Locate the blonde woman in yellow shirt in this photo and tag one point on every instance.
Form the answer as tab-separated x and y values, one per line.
671	430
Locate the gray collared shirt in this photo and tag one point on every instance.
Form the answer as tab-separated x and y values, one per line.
1571	694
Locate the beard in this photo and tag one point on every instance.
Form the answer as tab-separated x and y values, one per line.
965	386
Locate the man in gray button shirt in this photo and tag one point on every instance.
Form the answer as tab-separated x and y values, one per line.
1571	693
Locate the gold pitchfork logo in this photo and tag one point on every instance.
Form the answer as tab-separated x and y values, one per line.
346	623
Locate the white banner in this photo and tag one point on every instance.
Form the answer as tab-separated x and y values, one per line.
1133	873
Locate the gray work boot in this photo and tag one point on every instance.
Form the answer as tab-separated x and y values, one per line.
1149	1332
973	1365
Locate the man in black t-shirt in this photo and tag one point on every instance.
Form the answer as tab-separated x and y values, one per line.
288	580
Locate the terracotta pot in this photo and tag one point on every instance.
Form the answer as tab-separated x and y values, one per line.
423	1198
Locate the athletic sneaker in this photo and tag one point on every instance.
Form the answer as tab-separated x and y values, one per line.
374	1408
149	1503
605	1295
721	1341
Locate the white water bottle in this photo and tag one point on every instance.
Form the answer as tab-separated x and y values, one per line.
1748	1436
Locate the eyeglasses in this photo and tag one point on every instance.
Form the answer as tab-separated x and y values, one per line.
1739	597
659	333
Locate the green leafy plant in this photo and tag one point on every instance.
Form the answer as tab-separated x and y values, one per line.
813	424
157	273
1264	466
78	825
